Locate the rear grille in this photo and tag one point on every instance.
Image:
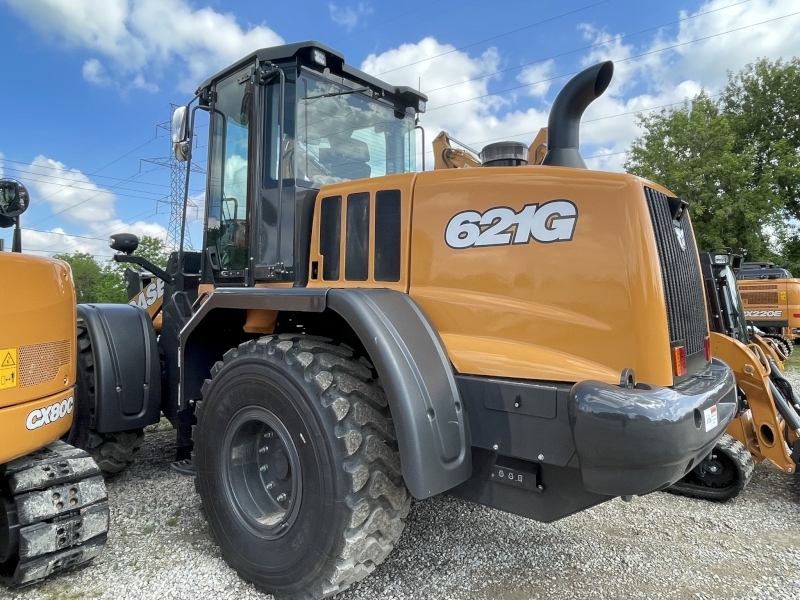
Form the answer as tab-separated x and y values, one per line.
758	287
760	297
40	363
680	274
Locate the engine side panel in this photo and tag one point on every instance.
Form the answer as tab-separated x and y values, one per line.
37	343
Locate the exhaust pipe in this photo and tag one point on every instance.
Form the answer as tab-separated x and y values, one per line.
564	123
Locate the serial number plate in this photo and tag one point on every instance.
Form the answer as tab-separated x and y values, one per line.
515	477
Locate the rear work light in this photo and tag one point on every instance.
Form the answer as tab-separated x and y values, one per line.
707	344
679	360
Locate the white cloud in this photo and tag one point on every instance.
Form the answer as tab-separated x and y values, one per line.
137	38
640	82
536	77
471	122
67	190
673	75
95	72
348	16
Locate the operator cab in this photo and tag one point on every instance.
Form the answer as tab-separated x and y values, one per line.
285	121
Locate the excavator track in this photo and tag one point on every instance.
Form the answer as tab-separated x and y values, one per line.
722	475
53	513
786	345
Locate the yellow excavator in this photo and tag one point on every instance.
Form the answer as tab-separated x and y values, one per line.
53	504
767	424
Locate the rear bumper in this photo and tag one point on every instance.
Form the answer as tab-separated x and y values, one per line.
635	441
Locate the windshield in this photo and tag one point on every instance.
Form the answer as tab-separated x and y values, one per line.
733	301
344	135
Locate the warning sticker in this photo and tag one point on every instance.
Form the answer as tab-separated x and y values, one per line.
711	417
9	369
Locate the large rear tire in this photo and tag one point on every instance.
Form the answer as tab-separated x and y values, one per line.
113	452
297	466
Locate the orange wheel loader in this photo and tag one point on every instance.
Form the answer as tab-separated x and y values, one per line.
354	333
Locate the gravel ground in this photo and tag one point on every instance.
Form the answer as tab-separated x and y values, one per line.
658	546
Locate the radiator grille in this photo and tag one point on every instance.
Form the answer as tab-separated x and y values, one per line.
680	274
760	287
40	363
760	297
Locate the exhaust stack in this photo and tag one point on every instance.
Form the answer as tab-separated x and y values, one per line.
564	123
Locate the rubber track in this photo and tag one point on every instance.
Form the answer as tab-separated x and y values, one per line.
744	465
61	508
786	345
378	500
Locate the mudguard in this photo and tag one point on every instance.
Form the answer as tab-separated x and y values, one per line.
412	364
432	430
127	368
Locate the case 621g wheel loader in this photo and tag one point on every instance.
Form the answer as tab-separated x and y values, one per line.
53	502
355	333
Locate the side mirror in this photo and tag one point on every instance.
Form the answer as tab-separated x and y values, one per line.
180	141
124	242
14	201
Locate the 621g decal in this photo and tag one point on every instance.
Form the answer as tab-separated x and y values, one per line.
552	221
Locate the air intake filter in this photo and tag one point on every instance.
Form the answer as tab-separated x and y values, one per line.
504	154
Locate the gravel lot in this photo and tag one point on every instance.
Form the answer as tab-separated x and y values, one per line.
659	546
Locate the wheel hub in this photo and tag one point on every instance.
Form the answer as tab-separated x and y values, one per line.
263	472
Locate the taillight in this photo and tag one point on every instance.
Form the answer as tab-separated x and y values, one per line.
707	343
679	360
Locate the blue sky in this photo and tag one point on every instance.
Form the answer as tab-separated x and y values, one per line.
85	82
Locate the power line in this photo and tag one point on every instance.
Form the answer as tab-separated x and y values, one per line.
25	178
86	200
32	166
617	60
103	167
603	43
566	14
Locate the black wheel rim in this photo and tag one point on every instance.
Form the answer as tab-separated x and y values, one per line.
262	472
717	470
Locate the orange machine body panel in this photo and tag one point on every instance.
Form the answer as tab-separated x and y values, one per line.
775	301
516	302
37	352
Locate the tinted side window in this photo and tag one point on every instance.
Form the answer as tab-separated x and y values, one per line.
330	236
387	235
356	266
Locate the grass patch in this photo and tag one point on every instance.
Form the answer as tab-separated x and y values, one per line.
172	522
162	425
148	529
794	361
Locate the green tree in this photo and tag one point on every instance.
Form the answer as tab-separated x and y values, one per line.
735	160
93	282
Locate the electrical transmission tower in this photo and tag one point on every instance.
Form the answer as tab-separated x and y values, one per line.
177	171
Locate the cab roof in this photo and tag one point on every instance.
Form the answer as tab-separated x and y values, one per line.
335	63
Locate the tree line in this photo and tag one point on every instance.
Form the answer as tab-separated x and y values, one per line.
735	159
104	281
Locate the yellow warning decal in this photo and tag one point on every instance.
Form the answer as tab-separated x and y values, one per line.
783	295
9	369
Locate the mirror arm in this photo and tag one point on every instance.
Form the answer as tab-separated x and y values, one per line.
16	243
143	262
